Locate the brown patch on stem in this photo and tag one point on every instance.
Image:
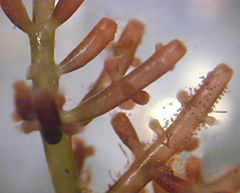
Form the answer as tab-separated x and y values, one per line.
81	152
64	10
46	109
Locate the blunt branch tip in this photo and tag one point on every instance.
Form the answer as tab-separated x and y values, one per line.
225	69
136	25
175	51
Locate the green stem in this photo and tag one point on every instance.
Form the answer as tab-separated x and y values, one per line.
62	166
42	10
44	74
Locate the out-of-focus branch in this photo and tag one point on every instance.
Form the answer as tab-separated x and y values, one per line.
64	10
113	68
228	182
193	170
47	113
123	55
42	11
163	175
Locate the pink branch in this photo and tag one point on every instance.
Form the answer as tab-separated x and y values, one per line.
178	133
228	182
162	61
123	55
127	133
90	47
64	10
16	12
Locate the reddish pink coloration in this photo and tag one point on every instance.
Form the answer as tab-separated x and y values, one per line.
143	191
16	117
46	109
136	62
123	54
225	192
127	45
128	105
81	151
183	97
157	128
178	133
60	101
162	61
27	110
141	98
73	127
157	188
199	106
23	101
91	46
192	144
193	169
70	128
65	9
126	132
210	120
165	177
228	182
16	12
112	67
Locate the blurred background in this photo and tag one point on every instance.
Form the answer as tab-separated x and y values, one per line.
209	29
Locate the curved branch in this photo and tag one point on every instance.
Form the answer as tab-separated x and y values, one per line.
90	47
64	10
17	13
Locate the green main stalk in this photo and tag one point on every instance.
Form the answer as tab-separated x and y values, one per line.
44	74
